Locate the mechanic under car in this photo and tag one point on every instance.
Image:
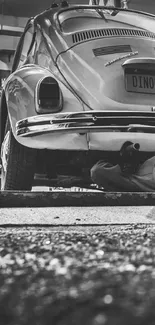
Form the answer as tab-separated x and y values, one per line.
128	175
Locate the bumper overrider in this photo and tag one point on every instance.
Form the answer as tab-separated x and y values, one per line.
96	121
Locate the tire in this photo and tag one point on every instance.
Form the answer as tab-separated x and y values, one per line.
18	164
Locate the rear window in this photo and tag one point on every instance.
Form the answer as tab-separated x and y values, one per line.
76	20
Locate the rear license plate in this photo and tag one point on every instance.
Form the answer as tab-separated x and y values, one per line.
140	83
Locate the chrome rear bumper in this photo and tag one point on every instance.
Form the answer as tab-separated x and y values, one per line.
85	122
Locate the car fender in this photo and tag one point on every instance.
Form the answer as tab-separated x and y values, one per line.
20	92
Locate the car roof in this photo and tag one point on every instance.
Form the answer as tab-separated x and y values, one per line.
54	16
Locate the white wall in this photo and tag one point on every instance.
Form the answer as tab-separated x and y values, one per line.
9	42
13	21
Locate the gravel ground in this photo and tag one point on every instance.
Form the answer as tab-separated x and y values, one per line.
71	276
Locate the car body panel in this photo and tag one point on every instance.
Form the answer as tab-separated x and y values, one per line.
105	90
89	58
21	91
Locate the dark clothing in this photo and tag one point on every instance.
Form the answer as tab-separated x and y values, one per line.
111	177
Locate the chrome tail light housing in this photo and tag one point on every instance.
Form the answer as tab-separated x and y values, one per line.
48	96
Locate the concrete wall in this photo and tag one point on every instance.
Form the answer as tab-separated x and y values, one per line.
9	43
13	21
10	23
144	5
28	8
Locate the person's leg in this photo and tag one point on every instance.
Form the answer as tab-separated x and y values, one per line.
144	178
110	177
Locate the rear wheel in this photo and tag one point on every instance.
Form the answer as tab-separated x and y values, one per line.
18	164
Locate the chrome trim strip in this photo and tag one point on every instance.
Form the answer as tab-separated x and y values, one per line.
44	129
84	114
121	58
85	122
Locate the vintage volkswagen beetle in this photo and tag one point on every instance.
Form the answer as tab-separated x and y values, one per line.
82	83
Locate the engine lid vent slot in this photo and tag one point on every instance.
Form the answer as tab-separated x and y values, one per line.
112	32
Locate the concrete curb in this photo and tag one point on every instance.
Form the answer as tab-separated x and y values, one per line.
58	199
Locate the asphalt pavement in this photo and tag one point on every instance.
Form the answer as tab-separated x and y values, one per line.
101	275
77	265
